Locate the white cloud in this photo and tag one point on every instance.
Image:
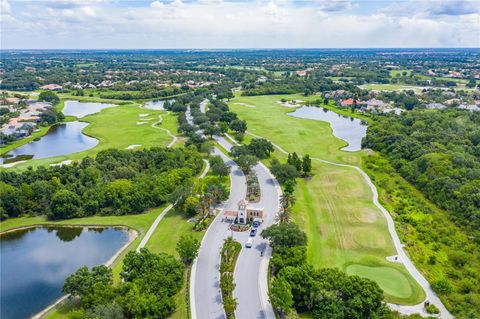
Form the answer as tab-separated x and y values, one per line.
157	5
5	7
433	9
335	5
234	24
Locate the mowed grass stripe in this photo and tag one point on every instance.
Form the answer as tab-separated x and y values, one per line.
117	127
344	228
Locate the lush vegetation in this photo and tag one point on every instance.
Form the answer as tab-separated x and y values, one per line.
333	205
228	258
324	293
149	282
447	256
438	152
115	182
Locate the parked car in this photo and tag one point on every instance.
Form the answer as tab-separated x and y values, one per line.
249	243
253	232
256	222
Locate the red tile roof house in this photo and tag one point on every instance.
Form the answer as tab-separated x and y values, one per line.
51	87
348	102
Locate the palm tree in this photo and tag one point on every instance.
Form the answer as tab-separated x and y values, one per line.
283	215
203	207
216	193
287	200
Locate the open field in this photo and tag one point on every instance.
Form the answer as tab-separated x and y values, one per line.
347	231
117	128
390	87
303	136
334	208
394	73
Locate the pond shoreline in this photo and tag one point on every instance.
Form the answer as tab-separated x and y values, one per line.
132	235
69	132
349	129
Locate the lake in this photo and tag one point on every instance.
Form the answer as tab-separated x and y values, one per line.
36	261
347	128
61	139
156	105
81	109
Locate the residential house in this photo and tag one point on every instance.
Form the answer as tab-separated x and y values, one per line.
472	107
374	104
435	106
348	102
51	87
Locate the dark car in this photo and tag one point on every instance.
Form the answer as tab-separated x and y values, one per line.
253	232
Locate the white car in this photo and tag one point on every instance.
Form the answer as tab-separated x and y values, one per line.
249	242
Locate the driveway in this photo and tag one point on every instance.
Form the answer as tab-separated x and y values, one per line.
251	270
205	294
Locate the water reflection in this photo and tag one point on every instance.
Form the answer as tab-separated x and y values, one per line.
157	104
67	234
347	128
81	109
61	139
36	261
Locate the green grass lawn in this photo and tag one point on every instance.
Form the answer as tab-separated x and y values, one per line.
334	207
393	73
389	87
345	230
268	118
117	128
173	226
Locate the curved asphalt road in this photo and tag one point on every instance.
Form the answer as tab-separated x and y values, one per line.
251	270
205	295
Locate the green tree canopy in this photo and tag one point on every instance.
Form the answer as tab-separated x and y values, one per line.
187	248
285	235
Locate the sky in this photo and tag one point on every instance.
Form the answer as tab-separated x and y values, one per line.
205	24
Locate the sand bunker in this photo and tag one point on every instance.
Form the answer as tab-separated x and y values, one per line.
66	162
131	147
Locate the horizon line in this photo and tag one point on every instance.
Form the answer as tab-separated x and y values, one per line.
273	48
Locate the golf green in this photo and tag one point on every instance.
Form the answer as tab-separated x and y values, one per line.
390	279
334	207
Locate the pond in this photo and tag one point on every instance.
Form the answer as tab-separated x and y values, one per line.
61	139
347	128
36	261
157	105
81	109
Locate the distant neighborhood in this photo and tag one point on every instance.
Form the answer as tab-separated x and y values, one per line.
20	116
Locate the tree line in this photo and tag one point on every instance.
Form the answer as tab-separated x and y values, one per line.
115	182
439	153
147	290
326	293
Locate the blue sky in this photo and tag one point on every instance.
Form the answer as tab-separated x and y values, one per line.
130	24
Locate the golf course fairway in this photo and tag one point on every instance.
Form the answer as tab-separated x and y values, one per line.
334	207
